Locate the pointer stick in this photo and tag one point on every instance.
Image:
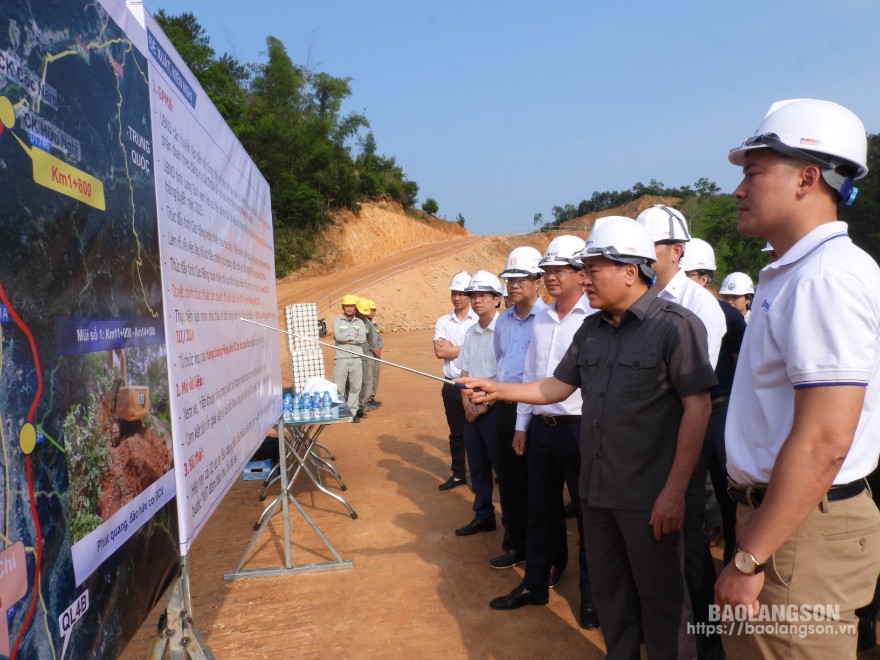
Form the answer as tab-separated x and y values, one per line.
360	355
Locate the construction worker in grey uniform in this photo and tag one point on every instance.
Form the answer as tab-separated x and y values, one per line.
377	352
363	313
349	333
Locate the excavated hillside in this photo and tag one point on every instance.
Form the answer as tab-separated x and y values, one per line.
404	263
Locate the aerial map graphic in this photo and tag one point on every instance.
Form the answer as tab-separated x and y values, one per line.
84	411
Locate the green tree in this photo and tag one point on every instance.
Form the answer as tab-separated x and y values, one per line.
863	216
460	220
224	79
713	218
431	206
289	119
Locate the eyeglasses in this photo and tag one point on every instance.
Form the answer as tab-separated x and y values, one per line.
519	281
559	274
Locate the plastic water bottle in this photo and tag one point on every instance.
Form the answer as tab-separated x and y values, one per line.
306	407
316	406
326	406
295	414
287	407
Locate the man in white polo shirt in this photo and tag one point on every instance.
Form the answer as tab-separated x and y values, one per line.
803	428
449	334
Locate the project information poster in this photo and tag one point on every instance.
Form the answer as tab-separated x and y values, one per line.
218	266
89	531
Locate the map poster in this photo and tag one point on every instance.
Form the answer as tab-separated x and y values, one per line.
89	523
218	266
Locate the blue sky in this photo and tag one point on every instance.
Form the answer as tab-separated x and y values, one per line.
500	110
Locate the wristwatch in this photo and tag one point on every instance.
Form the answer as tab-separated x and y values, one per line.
746	562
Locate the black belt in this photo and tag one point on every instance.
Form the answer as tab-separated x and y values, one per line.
556	420
753	496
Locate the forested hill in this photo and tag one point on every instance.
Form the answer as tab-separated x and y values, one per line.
289	119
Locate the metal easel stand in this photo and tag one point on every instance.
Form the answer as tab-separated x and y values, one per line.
285	499
177	631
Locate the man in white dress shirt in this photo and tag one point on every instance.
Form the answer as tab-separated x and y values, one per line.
548	436
449	334
669	230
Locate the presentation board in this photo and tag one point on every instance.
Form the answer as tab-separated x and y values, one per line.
218	266
135	233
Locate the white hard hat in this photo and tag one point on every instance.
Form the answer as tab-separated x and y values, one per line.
698	255
522	262
563	251
624	240
459	281
598	222
767	248
737	284
819	132
484	281
664	223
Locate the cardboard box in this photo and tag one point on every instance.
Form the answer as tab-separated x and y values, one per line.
257	470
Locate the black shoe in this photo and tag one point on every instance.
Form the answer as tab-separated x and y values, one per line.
369	407
374	402
360	414
555	575
867	634
517	598
509	559
474	526
356	419
588	619
451	483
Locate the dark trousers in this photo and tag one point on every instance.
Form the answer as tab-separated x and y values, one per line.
479	442
718	472
699	567
513	480
454	410
554	460
638	585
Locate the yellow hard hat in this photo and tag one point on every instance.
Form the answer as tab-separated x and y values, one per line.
372	305
363	305
349	299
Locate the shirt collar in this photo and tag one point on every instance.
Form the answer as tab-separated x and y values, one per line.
676	285
810	241
491	325
638	309
582	304
537	307
472	315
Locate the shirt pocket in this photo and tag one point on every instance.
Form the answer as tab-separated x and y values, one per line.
588	362
637	374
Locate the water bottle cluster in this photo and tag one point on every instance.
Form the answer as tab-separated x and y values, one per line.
307	407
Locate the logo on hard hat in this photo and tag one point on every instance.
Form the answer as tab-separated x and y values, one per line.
731	286
812	142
